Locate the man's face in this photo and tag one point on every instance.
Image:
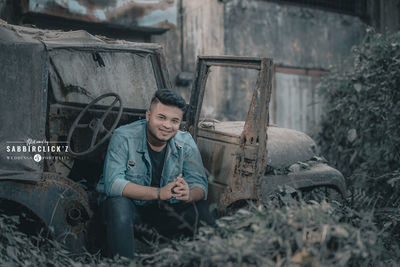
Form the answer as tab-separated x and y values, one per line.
163	121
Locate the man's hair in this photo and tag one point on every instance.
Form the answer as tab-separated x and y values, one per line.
169	98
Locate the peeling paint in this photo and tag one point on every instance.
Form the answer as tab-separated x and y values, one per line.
98	13
151	13
122	3
37	5
75	7
159	16
148	1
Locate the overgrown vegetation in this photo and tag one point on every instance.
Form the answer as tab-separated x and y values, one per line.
18	249
282	233
360	136
295	234
361	129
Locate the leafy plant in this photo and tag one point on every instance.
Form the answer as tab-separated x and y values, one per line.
361	127
361	131
18	249
296	234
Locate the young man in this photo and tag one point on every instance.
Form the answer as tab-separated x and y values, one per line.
153	174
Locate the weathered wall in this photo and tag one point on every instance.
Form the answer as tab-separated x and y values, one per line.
170	42
293	36
297	103
384	15
203	28
199	31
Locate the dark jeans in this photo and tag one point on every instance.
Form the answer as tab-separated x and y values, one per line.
169	220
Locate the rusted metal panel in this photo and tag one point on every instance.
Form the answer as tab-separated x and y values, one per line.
248	161
154	13
217	159
255	133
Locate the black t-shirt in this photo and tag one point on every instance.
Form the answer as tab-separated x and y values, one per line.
157	165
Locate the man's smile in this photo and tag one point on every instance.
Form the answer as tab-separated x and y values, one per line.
165	131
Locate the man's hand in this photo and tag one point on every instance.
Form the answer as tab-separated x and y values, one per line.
181	190
178	189
166	192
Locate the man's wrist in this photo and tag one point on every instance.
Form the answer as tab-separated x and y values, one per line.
155	193
195	194
189	198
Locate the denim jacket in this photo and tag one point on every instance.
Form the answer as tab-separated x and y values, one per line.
128	160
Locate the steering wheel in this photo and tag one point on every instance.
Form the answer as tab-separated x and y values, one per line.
96	124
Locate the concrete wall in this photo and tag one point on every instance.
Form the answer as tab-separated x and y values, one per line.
293	36
384	15
200	31
296	102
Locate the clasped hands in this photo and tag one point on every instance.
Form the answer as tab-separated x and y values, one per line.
178	189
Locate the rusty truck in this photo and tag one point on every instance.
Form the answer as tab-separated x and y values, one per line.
63	94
